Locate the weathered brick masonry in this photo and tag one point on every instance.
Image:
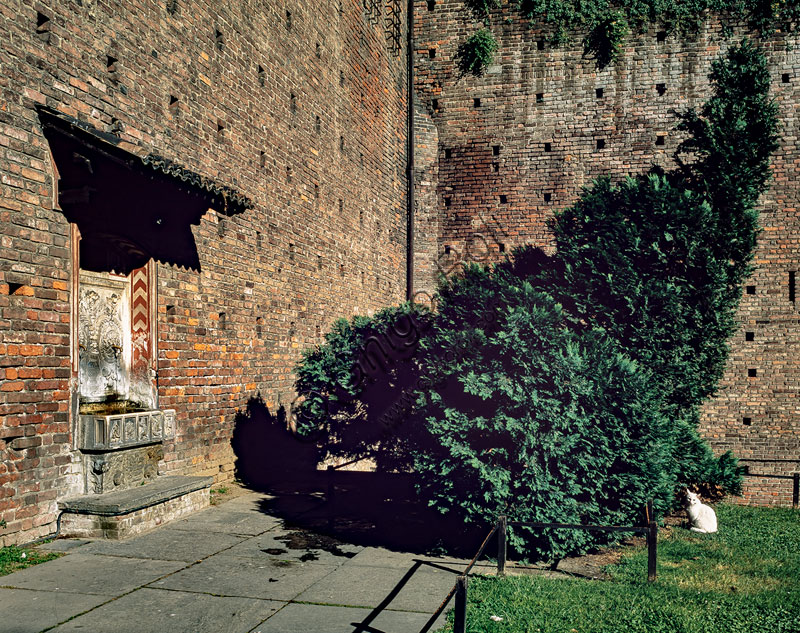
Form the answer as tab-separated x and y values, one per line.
301	107
499	154
298	105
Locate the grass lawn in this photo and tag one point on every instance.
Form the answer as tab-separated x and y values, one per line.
14	558
746	578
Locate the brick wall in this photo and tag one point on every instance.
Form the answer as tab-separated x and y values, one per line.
519	143
298	105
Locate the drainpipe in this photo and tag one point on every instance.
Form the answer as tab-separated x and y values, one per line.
410	157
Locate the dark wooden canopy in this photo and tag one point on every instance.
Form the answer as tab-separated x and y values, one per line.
129	208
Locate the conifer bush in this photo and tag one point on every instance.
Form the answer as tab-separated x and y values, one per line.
355	388
567	387
535	416
573	382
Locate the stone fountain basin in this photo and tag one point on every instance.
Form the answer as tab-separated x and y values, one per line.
111	431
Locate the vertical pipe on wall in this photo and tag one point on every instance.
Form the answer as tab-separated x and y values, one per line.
410	157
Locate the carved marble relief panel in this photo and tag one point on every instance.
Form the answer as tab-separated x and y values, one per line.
104	337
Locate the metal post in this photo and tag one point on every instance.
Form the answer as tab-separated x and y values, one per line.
652	543
795	490
329	496
329	477
502	524
460	619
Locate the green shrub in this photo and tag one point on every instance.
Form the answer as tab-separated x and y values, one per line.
658	261
533	417
355	389
566	388
476	53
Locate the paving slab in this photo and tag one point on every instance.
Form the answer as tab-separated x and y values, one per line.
225	575
378	557
166	544
313	618
90	574
63	545
238	516
298	545
27	611
367	586
155	611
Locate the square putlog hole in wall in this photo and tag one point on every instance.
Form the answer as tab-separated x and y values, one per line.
661	89
540	45
661	36
431	53
785	78
503	199
661	139
476	102
548	197
752	372
598	93
43	27
548	147
751	290
749	336
495	150
747	421
601	143
539	97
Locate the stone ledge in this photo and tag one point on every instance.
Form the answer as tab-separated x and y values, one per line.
126	501
122	526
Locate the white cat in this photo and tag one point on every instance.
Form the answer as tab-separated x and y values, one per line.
701	517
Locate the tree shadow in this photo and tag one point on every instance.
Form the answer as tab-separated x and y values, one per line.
364	508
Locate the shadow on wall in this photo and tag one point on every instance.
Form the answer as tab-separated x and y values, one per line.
268	456
364	508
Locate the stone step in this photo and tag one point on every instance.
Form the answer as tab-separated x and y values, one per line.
124	513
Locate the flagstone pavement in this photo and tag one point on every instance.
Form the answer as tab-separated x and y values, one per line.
228	569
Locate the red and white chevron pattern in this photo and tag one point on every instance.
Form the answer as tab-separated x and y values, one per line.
139	307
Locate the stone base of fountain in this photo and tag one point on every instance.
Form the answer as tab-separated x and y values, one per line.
121	446
124	513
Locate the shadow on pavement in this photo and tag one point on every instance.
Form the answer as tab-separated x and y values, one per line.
363	508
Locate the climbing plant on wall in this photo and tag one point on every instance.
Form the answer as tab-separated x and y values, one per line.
606	24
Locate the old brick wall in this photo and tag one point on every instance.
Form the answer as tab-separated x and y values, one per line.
519	143
300	106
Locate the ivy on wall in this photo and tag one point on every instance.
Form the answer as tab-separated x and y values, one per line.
607	24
